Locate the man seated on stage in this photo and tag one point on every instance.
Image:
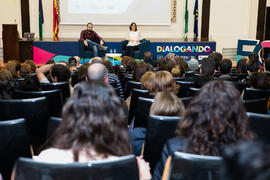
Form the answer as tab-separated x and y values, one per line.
91	39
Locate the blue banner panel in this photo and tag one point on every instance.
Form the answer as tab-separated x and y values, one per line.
187	50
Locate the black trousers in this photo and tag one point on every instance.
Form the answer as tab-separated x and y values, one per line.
131	49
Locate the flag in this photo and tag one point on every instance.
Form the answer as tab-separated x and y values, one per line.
41	19
196	18
186	17
56	19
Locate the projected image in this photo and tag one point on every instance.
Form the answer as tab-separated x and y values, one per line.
99	6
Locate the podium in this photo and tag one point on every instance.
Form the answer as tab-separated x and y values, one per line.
10	42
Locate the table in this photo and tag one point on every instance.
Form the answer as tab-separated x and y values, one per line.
113	55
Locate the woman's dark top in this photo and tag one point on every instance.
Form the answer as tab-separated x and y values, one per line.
171	146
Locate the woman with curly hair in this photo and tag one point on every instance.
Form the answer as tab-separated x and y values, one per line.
214	119
93	128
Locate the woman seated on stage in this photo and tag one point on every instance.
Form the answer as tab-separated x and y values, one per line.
216	118
133	39
93	129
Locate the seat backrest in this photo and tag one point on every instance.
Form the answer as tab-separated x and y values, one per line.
184	88
136	93
54	98
186	100
253	93
14	144
195	167
159	130
239	85
131	85
256	105
194	91
53	124
74	78
142	111
62	86
259	124
122	168
34	110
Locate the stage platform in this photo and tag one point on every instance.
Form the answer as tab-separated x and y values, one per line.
67	47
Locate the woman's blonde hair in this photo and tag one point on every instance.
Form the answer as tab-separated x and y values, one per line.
146	80
167	104
163	81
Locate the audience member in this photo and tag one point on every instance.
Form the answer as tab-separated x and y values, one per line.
32	64
140	69
78	61
5	88
72	63
163	81
98	72
259	80
30	83
170	57
108	65
93	129
247	161
167	104
225	69
207	71
14	67
241	67
131	63
57	72
176	71
82	72
146	80
217	58
267	65
51	61
214	119
25	69
113	79
148	58
193	65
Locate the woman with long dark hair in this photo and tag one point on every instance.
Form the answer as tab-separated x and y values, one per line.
93	128
214	119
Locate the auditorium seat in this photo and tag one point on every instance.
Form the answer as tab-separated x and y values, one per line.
259	124
186	100
159	130
122	168
14	144
36	113
136	93
184	88
54	98
53	124
194	91
62	86
87	52
256	105
138	54
130	85
253	93
142	112
195	167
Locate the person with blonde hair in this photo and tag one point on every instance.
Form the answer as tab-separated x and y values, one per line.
163	81
146	80
167	104
176	71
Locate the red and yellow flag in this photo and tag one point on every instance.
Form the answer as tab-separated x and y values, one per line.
56	19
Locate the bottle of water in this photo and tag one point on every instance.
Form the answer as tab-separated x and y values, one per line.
110	50
114	51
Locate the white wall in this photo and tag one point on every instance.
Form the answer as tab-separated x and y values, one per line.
229	21
10	13
232	20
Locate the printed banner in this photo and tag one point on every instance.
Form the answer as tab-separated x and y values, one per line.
187	50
